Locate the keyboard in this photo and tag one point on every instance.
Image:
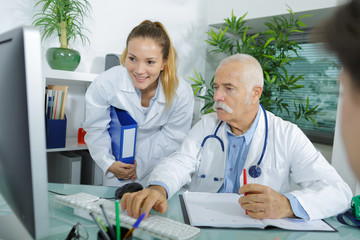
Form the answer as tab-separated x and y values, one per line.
157	226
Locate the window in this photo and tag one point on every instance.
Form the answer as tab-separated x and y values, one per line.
320	69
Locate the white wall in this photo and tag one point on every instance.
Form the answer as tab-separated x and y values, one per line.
186	20
219	10
112	20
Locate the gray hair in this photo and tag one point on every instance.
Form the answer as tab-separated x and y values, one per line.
253	76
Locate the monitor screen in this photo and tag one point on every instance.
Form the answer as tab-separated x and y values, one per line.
23	170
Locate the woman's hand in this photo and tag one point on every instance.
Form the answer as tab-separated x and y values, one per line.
123	170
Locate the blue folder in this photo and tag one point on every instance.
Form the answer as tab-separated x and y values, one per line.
123	130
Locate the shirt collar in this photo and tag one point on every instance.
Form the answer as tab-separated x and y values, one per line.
248	135
138	92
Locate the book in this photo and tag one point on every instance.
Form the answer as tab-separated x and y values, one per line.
48	106
222	210
123	130
62	98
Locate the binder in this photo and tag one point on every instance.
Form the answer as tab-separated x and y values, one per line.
123	130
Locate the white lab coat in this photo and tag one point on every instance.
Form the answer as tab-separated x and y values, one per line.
159	134
289	156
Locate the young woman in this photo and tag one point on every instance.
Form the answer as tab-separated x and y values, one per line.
146	85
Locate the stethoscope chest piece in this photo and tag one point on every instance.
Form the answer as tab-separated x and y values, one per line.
254	171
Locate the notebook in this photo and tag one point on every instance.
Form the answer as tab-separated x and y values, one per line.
222	210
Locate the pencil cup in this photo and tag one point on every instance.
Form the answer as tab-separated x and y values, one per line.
55	133
124	230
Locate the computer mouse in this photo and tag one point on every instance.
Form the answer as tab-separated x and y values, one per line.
129	187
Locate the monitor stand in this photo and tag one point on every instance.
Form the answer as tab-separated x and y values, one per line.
11	228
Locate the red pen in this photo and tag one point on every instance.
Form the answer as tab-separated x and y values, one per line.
245	182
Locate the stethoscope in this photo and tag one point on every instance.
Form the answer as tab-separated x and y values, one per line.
255	170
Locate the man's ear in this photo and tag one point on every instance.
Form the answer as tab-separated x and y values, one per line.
256	94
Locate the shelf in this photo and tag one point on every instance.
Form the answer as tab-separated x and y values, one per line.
78	82
69	76
70	145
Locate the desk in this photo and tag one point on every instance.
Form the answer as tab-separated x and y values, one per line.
59	229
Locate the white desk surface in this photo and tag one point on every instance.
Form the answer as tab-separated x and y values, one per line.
59	229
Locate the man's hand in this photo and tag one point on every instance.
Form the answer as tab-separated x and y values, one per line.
263	202
123	171
152	197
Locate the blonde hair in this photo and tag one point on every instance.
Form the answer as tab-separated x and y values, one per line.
157	32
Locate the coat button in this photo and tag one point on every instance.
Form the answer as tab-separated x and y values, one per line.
202	176
216	179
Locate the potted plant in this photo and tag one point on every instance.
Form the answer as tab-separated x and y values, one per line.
273	49
66	19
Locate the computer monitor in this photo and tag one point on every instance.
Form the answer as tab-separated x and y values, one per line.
23	170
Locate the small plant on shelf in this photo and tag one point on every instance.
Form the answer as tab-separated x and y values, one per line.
65	18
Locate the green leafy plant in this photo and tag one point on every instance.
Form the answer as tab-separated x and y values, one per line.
275	51
64	17
199	85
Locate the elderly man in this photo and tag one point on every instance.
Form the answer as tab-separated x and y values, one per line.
242	135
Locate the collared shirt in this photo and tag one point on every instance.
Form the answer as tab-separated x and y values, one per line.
238	149
152	100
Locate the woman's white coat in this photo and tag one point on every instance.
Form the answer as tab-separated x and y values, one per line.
159	133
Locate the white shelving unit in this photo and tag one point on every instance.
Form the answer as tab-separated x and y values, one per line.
70	145
69	78
78	83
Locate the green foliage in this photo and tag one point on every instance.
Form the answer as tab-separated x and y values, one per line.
199	85
305	112
63	17
274	50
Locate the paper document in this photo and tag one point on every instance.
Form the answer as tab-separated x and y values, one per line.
223	210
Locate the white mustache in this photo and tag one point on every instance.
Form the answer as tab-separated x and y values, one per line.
223	106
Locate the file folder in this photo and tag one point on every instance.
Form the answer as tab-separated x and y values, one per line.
123	130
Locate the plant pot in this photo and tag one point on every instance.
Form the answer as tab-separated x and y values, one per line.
63	58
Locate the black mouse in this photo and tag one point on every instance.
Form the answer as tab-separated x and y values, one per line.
129	187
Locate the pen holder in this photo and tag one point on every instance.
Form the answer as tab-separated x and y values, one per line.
55	133
124	230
